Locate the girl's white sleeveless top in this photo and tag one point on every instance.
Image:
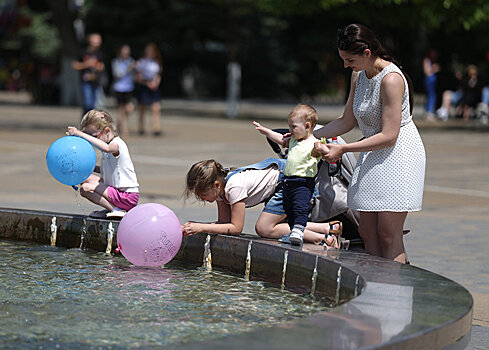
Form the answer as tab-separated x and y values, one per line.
389	179
119	171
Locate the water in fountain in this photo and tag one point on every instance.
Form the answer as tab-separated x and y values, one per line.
72	298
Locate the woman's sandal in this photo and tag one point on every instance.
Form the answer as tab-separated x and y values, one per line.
333	238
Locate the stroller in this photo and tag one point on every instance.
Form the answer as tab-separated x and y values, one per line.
329	203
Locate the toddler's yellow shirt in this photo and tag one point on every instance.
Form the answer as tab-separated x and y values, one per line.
299	159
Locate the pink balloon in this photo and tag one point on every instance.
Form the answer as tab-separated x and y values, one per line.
149	235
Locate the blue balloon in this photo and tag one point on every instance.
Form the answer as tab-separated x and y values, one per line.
71	160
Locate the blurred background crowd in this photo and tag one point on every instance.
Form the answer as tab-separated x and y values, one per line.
251	49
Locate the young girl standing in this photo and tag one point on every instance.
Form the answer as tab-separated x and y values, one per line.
149	69
236	190
123	72
117	188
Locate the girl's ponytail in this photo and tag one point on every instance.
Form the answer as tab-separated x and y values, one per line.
202	176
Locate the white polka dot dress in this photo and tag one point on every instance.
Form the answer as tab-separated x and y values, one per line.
389	179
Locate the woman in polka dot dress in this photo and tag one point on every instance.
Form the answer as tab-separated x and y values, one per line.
388	179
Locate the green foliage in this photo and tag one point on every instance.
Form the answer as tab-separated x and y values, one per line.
454	13
286	47
31	33
42	37
433	14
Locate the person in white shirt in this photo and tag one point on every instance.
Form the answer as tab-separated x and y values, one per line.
117	188
123	72
148	75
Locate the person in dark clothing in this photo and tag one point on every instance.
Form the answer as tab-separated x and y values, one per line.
472	90
90	64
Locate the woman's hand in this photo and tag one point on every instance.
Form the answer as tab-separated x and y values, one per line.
191	228
335	152
92	62
73	131
329	152
320	149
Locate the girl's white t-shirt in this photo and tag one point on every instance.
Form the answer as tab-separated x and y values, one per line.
253	186
119	171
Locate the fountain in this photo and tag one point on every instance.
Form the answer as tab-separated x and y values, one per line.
376	304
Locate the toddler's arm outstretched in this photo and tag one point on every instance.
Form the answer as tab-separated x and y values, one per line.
276	137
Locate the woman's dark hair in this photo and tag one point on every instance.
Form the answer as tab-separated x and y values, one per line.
356	38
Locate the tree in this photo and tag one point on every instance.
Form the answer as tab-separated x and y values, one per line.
434	14
64	18
286	48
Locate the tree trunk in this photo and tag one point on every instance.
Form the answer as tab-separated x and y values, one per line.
233	88
63	19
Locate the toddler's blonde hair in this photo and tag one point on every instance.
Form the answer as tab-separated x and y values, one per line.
306	112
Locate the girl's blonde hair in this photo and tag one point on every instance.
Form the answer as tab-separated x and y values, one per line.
202	176
307	113
98	119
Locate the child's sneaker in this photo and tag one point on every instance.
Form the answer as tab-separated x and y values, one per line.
442	113
99	214
116	213
285	239
296	236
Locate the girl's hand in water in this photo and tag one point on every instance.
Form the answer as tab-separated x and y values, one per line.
191	228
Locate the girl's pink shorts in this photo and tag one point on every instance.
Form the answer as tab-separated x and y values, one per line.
123	200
